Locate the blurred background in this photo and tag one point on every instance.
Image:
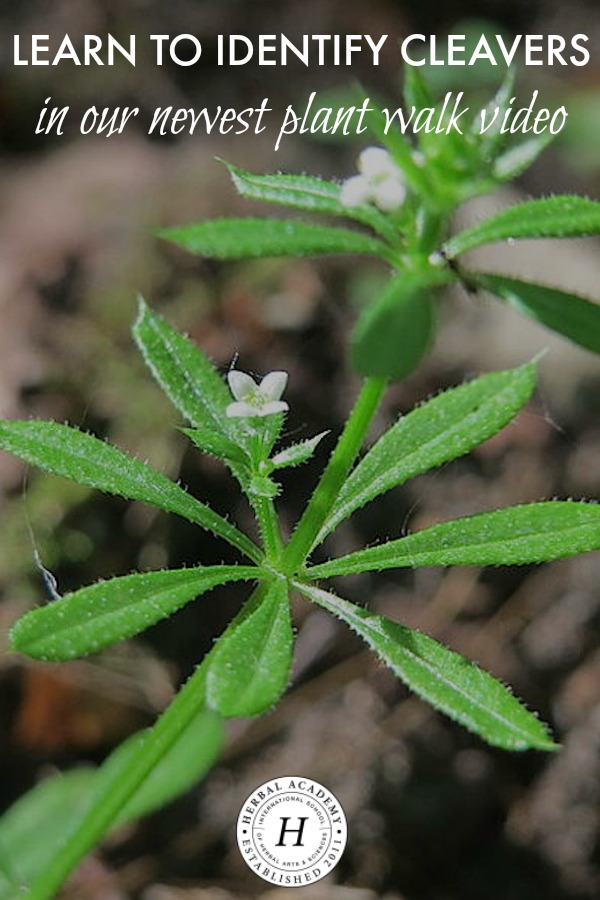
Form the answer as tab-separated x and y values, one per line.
433	813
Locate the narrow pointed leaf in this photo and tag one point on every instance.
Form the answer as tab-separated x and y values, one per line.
532	533
249	667
94	617
256	238
559	217
300	191
195	387
217	445
519	157
298	453
185	374
308	193
447	680
85	459
393	333
574	317
492	139
442	429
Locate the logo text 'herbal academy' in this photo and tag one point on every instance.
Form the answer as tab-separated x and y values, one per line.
291	831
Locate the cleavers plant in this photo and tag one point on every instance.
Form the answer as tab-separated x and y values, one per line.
402	200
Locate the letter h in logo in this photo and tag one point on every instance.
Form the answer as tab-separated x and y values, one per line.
285	830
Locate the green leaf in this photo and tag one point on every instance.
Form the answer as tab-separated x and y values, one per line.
451	683
183	765
300	191
308	193
34	829
573	316
217	445
532	533
94	617
257	238
37	825
393	333
87	460
560	217
442	429
492	139
416	90
184	373
298	453
195	387
262	486
518	158
249	667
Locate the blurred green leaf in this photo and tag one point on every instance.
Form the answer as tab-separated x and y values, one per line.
34	828
570	315
38	824
300	191
308	193
253	238
416	90
532	533
560	216
483	74
183	765
394	331
519	157
492	114
442	677
441	429
580	140
94	617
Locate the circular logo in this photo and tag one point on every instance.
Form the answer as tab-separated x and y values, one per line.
291	831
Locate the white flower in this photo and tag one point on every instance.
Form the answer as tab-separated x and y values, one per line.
252	399
389	194
355	191
380	182
375	163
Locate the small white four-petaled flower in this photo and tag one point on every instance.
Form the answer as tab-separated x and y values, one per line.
380	182
252	399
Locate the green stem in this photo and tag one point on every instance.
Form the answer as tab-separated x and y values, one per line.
269	527
189	702
430	230
336	472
